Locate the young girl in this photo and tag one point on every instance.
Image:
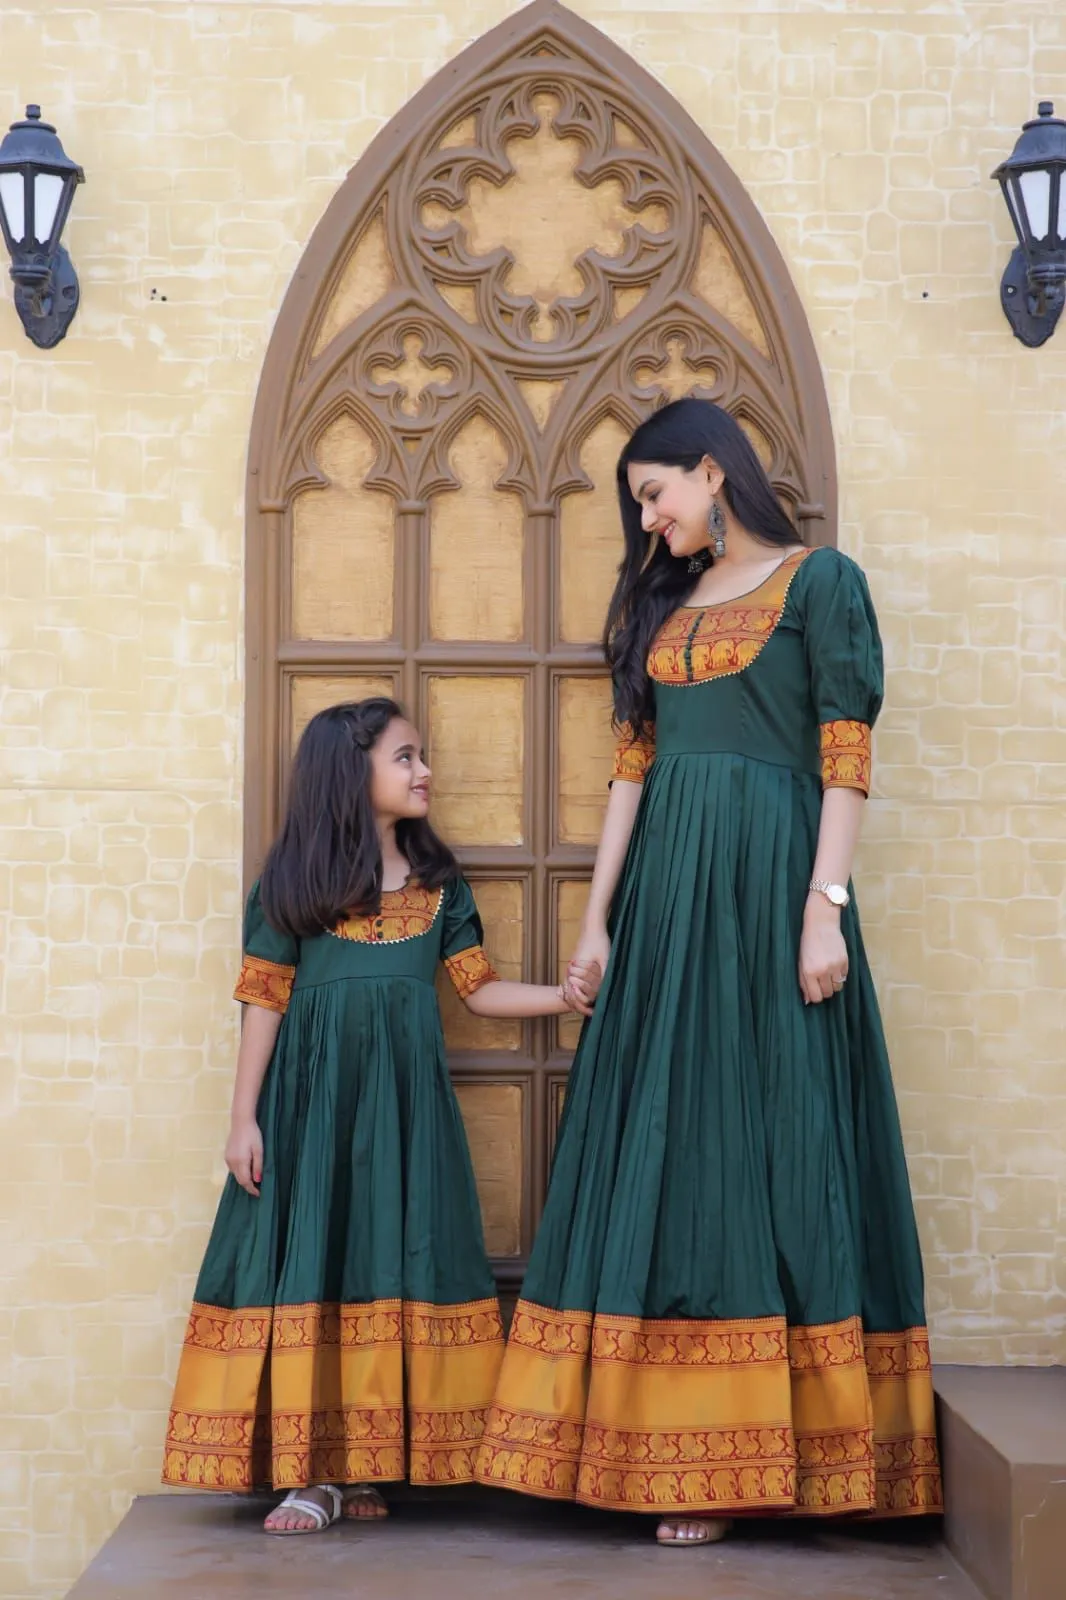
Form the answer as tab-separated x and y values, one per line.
345	1329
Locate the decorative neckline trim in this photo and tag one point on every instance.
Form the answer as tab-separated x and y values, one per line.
405	914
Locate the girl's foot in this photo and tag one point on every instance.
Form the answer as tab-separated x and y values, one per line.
363	1503
306	1510
692	1530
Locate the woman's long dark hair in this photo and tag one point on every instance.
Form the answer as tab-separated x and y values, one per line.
649	589
326	861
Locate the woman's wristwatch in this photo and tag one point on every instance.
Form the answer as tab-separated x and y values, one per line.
835	893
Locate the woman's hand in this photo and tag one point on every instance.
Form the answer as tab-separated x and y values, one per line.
588	960
823	955
244	1154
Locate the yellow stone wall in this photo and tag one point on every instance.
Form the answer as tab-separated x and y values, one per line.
213	136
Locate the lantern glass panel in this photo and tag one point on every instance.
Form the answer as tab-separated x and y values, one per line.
1036	198
47	193
1008	195
13	200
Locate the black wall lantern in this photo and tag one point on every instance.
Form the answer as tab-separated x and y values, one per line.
1033	179
37	183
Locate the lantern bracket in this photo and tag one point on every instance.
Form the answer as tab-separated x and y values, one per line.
1033	312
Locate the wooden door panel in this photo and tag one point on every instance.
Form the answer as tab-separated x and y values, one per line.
590	536
584	751
475	727
342	543
310	693
476	545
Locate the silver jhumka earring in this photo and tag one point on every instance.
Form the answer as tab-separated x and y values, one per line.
716	524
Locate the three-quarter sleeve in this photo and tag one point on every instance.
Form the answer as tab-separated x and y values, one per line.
269	963
632	756
846	666
465	961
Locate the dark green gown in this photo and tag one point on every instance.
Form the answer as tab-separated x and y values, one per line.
345	1326
723	1310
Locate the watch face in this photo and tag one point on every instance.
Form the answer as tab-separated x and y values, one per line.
837	895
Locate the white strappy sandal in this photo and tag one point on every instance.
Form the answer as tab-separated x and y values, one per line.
295	1501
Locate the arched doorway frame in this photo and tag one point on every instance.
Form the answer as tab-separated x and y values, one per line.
746	335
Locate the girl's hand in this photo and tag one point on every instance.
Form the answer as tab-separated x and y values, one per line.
583	980
823	955
244	1154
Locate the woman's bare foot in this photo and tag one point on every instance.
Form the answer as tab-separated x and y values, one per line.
294	1516
363	1503
692	1530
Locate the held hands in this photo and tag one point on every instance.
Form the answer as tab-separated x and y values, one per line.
582	985
588	964
244	1154
823	955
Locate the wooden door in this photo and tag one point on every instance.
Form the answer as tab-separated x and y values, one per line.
537	251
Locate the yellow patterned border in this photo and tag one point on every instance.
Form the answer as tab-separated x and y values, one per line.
675	1344
220	1330
699	644
552	1333
470	970
405	914
838	1344
895	1355
292	1395
908	1476
632	757
747	1416
637	1342
265	983
307	1327
847	755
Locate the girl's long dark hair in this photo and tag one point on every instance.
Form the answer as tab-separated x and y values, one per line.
649	589
325	863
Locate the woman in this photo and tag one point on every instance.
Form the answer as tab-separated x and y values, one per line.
723	1312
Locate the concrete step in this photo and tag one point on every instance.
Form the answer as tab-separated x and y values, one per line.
1003	1440
499	1546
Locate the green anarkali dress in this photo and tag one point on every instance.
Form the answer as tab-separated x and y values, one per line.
723	1311
345	1326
